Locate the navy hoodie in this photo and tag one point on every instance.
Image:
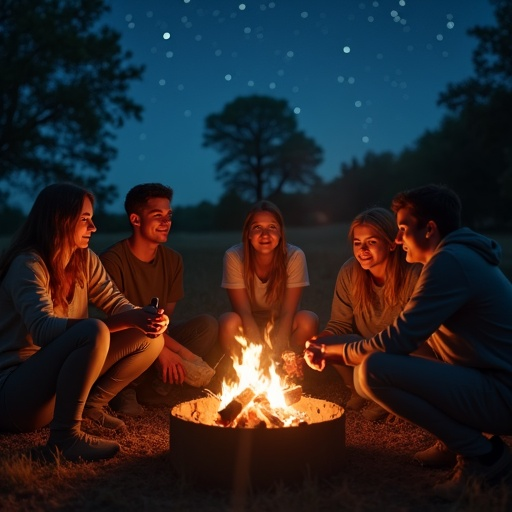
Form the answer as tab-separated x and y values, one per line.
462	304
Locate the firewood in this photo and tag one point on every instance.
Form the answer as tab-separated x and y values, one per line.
229	414
263	405
255	419
292	395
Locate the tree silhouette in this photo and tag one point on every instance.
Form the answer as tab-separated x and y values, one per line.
491	61
483	106
63	92
263	151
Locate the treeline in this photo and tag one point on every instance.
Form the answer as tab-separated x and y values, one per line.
461	162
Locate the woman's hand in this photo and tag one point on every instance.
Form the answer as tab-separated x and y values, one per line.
314	355
152	324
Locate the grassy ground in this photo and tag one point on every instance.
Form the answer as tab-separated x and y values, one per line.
377	473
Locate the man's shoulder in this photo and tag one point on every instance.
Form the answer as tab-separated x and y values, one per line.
169	252
115	248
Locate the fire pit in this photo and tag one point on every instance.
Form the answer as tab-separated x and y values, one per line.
241	438
223	457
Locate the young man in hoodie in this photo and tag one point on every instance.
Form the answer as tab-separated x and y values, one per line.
461	306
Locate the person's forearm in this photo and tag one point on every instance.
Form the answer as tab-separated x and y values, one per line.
119	321
324	333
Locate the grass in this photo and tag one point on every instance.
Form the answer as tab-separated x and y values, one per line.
378	473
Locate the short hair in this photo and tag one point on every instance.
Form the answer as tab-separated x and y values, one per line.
431	202
137	197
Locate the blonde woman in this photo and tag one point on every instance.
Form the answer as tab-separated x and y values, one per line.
264	277
372	288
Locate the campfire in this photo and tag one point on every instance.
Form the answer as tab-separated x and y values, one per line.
261	397
260	429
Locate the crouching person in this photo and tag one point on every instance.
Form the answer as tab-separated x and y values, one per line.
461	305
56	365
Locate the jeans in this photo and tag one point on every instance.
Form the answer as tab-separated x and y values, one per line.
455	403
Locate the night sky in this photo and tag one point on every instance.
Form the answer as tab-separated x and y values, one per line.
360	75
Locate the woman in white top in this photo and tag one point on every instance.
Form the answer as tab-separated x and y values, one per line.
265	277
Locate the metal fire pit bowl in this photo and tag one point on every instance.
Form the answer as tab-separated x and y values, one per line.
225	457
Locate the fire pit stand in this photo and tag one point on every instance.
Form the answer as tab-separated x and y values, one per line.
216	456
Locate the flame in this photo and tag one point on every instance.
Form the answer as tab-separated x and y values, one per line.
251	375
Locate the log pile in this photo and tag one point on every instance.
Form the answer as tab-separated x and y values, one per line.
254	411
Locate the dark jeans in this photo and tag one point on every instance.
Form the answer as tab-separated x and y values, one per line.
455	403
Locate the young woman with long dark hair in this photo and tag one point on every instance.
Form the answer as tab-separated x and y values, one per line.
56	364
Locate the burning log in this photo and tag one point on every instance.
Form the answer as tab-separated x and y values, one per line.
229	414
260	410
292	395
263	405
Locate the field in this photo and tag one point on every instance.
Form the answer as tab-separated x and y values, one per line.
378	473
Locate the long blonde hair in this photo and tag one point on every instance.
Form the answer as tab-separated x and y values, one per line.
278	275
383	223
49	231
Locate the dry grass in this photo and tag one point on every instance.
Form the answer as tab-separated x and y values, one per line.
378	473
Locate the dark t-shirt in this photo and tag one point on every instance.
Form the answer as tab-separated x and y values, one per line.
140	281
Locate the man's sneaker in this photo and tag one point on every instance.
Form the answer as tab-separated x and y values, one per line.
126	403
469	470
102	418
374	412
437	456
355	403
84	447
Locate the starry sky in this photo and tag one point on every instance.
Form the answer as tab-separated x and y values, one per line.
360	75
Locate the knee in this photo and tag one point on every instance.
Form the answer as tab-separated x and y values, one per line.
207	324
369	372
230	324
311	322
95	332
304	328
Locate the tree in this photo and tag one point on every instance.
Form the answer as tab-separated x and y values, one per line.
263	151
483	104
491	61
360	186
63	92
